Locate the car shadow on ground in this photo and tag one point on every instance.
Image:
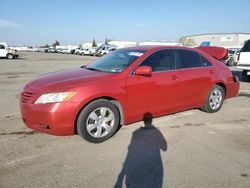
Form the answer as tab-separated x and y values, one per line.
15	59
19	58
244	94
143	165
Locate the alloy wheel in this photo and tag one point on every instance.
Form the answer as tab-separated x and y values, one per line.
100	122
215	99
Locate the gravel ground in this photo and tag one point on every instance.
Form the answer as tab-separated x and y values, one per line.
187	149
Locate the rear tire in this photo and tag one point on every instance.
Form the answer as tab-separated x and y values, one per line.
245	77
214	99
98	121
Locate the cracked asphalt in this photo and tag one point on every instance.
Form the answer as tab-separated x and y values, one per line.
187	149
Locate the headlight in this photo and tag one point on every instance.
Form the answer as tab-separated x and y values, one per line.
54	97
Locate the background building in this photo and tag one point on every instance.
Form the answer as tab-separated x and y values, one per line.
121	44
161	42
226	40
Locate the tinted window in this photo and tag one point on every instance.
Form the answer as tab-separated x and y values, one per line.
188	59
205	62
2	47
160	61
246	47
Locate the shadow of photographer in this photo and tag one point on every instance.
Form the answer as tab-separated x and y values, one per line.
143	165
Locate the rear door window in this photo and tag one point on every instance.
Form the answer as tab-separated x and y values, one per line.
188	59
205	62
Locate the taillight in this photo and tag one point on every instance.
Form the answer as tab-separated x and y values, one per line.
238	58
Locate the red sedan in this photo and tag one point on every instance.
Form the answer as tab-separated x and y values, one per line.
120	88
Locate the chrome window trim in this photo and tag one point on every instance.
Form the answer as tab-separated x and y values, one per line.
174	49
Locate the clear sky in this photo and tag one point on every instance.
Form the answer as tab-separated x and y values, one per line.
40	22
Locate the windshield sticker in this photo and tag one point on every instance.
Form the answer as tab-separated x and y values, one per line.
138	54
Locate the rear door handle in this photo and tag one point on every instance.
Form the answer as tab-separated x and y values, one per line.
175	77
211	71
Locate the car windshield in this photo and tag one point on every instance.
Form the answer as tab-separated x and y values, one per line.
116	61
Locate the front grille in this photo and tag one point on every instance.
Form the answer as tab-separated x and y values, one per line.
26	96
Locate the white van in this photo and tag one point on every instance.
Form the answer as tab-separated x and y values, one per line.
244	61
6	52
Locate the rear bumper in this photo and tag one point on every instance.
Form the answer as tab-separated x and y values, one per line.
233	88
243	66
55	119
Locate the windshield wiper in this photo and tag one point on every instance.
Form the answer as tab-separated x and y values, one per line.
93	69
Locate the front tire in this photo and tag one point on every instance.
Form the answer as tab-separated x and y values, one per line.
98	121
214	99
10	56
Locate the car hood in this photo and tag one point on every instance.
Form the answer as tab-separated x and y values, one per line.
64	80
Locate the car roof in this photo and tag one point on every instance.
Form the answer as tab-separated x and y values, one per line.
155	47
214	51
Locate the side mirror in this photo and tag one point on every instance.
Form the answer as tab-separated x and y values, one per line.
144	71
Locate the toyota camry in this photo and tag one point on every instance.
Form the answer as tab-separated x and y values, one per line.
94	100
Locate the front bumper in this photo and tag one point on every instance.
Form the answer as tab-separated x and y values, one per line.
56	119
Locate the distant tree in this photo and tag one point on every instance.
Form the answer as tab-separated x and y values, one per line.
183	40
55	44
187	41
94	43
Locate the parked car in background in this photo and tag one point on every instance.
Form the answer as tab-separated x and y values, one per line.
229	61
59	50
105	49
84	51
244	61
121	87
66	51
52	50
77	51
235	56
6	52
95	52
232	57
92	51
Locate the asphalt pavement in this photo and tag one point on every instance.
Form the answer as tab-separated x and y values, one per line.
187	149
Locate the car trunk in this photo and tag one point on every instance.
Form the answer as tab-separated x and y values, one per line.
214	51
